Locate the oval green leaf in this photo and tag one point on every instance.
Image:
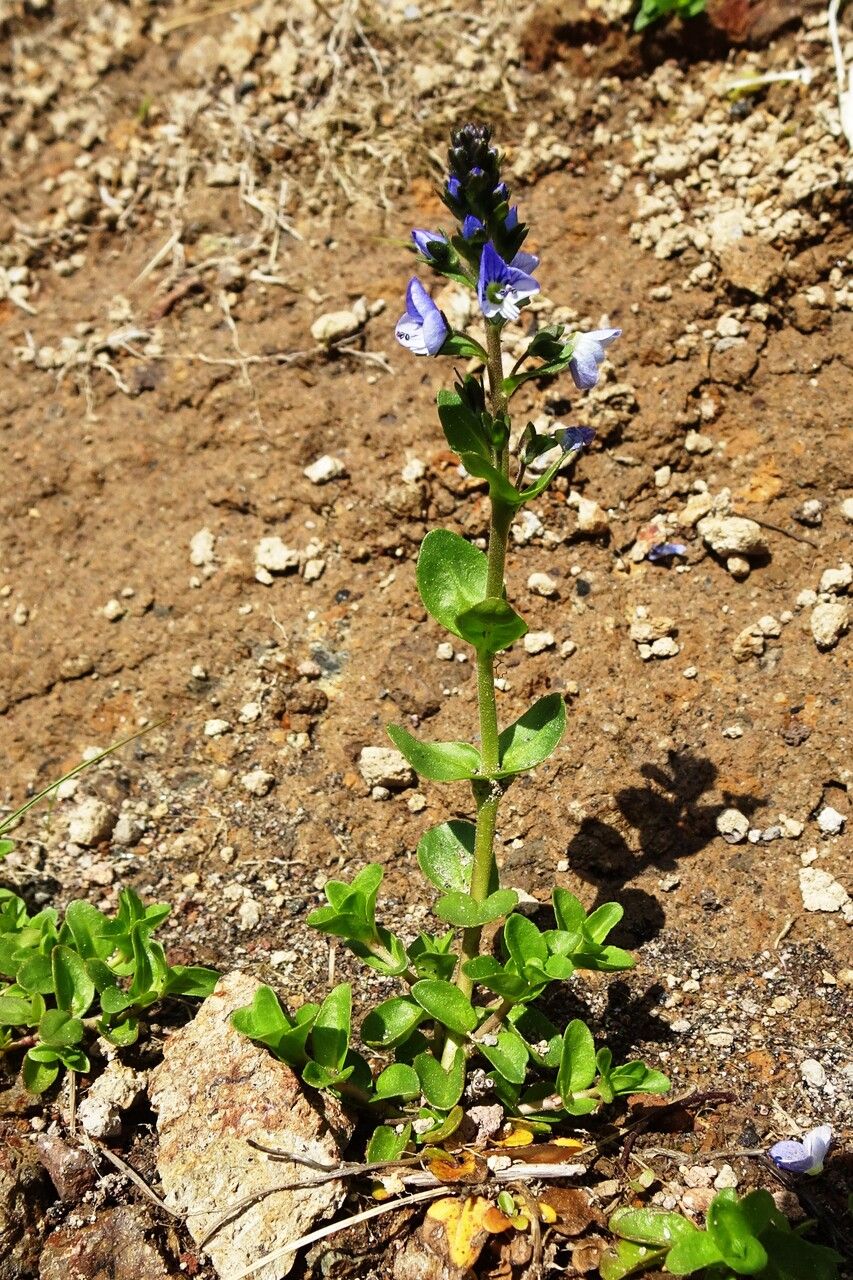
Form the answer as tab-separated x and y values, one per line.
441	1087
461	910
438	761
446	1004
451	575
491	625
533	737
391	1023
445	855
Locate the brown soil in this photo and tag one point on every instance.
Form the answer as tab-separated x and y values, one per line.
103	489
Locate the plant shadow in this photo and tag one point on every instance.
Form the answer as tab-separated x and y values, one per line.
672	823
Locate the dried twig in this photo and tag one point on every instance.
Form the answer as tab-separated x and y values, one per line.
655	1113
323	1232
130	1173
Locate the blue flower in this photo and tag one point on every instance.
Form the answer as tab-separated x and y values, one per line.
575	438
423	240
664	549
511	219
423	329
803	1157
588	351
501	191
471	226
454	188
527	262
502	285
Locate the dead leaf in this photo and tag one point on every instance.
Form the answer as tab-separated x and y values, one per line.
462	1226
573	1209
466	1169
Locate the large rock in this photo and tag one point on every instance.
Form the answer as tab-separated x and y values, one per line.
24	1195
213	1091
116	1243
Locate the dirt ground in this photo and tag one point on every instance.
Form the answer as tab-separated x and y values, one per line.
170	235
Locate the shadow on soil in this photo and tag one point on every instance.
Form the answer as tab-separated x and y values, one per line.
672	824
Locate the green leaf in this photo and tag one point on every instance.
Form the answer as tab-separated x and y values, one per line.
500	488
652	1226
121	1033
59	1029
791	1257
391	1023
636	1077
451	575
36	1075
533	737
441	1087
445	855
509	986
730	1228
386	1144
35	975
74	989
15	1011
624	1258
331	1030
605	918
463	429
190	980
509	1056
568	911
263	1019
398	1081
491	625
461	910
432	957
692	1252
6	847
444	1127
459	344
603	959
438	761
446	1003
524	943
87	925
319	1077
577	1060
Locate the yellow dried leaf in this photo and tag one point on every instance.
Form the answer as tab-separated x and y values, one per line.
572	1143
446	1169
466	1224
547	1213
518	1138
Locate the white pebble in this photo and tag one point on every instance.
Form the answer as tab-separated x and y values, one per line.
257	782
202	546
732	826
113	610
216	728
325	469
272	555
813	1073
542	584
538	641
830	821
444	651
313	570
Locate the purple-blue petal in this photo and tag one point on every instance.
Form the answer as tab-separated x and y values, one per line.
471	226
454	187
664	549
791	1156
423	240
577	438
583	367
511	220
436	331
418	301
526	262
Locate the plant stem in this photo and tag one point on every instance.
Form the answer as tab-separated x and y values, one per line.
487	794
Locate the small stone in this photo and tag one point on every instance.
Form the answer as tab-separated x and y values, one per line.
749	643
128	830
847	510
258	782
385	767
380	793
248	914
663	475
202	546
249	713
592	518
829	621
313	570
820	891
527	527
223	175
272	555
113	1092
695	442
113	610
739	567
733	826
334	325
444	651
732	535
216	728
325	469
810	513
567	648
413	471
791	829
665	647
769	626
830	821
690	673
542	584
697	506
725	1178
752	265
728	327
645	630
21	615
416	803
91	823
834	582
672	162
813	1073
538	641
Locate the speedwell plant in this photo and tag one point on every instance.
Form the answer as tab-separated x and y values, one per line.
467	1024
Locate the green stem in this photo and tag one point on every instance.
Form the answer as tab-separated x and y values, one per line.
487	794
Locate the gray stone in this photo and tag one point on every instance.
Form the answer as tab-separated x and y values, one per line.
91	822
112	1092
385	767
213	1091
